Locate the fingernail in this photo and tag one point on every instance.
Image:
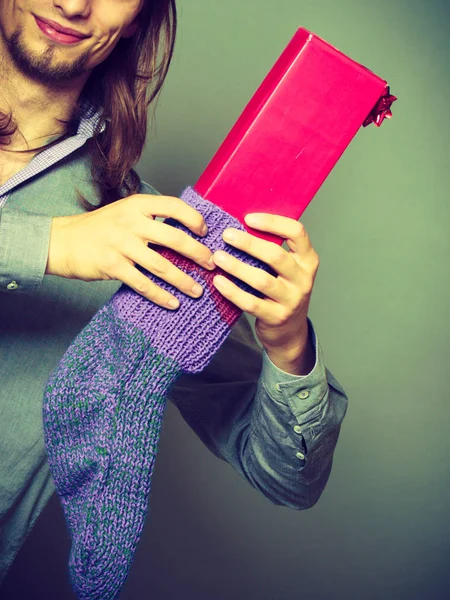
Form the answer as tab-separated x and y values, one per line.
251	219
229	235
205	229
220	258
197	289
173	303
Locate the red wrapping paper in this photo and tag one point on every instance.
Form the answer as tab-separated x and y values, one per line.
293	131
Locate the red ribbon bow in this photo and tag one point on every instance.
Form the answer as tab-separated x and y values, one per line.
381	110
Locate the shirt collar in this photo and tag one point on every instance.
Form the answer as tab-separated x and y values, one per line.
89	119
90	116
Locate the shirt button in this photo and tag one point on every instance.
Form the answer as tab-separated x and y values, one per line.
300	455
303	394
297	429
278	387
13	285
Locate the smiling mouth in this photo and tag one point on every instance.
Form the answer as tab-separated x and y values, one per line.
59	34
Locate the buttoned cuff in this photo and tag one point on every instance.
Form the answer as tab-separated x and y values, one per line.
24	243
300	392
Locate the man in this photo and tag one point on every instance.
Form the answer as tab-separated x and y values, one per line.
76	79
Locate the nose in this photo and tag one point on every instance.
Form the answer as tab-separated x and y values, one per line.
73	8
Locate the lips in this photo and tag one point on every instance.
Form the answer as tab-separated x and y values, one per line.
59	33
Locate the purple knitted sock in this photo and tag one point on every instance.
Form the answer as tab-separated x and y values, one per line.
104	404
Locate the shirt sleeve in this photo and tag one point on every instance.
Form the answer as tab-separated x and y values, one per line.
24	243
277	430
146	188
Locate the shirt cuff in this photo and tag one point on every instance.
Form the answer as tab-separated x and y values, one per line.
300	392
24	243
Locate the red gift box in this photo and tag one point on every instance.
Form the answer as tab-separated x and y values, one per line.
293	131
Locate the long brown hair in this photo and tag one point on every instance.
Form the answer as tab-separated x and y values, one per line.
122	87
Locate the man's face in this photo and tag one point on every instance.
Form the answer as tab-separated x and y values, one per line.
47	54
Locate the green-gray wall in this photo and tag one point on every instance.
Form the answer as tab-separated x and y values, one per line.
380	306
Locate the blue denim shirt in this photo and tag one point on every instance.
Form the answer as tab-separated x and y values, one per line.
277	430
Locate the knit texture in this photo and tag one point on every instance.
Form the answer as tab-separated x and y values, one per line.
104	404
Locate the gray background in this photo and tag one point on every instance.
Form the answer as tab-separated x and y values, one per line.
380	307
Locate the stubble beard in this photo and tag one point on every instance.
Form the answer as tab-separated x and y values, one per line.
40	68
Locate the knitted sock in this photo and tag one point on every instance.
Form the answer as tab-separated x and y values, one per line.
104	404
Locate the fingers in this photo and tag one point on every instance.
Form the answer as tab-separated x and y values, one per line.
169	206
144	286
139	232
178	240
158	265
290	229
268	252
260	280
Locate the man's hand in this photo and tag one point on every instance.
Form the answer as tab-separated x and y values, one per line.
108	242
281	323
